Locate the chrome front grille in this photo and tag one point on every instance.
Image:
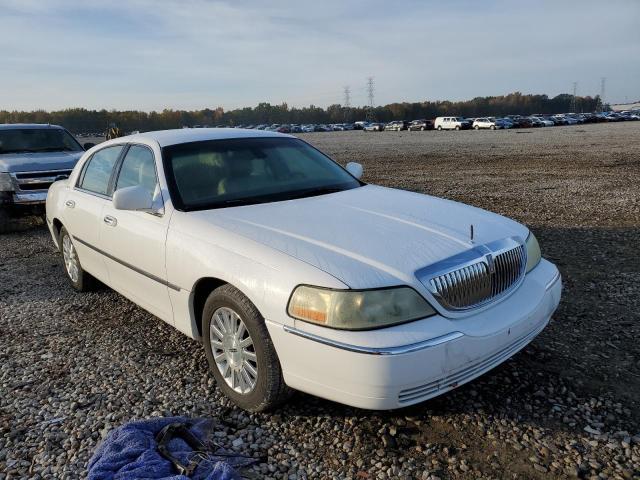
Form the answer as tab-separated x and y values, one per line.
477	276
29	181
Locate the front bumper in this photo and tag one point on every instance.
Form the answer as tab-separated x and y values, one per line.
23	198
31	198
358	369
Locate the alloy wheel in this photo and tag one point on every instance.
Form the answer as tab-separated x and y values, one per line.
70	258
233	350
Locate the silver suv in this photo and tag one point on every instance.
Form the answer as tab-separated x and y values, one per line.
32	157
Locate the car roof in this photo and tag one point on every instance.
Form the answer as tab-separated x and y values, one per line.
14	126
187	135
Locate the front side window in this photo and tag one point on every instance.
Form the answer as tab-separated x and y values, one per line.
98	171
221	173
33	140
138	169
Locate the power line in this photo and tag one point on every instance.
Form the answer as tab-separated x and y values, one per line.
573	107
370	92
347	102
602	85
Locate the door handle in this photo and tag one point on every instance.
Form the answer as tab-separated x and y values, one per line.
70	203
111	221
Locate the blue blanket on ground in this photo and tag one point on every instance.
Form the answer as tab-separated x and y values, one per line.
130	452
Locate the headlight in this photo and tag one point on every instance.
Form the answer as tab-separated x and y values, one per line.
533	252
6	185
357	310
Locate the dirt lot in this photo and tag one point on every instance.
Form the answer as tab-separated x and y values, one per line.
74	366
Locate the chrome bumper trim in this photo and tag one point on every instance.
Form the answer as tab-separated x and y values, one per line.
26	198
413	347
553	281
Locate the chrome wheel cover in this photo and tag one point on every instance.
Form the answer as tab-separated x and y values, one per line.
233	350
71	263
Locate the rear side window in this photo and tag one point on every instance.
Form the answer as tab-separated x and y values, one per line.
138	169
98	170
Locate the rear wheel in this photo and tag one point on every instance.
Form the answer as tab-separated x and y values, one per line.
240	353
79	279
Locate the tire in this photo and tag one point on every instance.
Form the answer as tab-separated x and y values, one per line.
476	127
225	311
439	128
5	221
78	278
457	127
493	127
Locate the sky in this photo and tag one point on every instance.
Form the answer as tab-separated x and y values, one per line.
194	54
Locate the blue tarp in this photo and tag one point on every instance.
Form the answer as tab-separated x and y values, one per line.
130	452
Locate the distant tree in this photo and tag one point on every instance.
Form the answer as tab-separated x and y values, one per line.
82	120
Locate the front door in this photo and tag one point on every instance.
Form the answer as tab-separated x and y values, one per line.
83	209
134	242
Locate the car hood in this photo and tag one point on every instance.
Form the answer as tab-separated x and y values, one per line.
30	162
369	236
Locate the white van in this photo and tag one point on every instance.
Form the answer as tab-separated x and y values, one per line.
451	123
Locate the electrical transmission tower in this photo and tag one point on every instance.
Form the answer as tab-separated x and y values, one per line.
347	103
573	107
601	105
370	91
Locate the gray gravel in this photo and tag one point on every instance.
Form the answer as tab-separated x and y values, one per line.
73	366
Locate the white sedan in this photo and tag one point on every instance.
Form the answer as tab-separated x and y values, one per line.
293	273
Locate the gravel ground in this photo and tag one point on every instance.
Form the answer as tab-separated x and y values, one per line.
73	366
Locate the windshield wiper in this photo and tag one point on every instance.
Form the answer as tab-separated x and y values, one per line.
54	149
311	192
22	150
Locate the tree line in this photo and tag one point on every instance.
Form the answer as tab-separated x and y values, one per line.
80	120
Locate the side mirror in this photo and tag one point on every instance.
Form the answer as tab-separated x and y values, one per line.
354	169
132	198
88	145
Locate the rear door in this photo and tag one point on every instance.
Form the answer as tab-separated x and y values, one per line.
134	242
83	208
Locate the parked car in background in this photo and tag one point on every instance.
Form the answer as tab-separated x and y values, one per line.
506	122
420	125
542	122
32	157
486	122
451	123
396	126
373	127
242	254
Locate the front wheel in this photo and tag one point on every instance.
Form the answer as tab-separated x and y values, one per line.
5	221
79	279
457	127
240	353
440	128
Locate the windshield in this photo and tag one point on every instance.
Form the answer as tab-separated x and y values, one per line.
222	173
21	140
